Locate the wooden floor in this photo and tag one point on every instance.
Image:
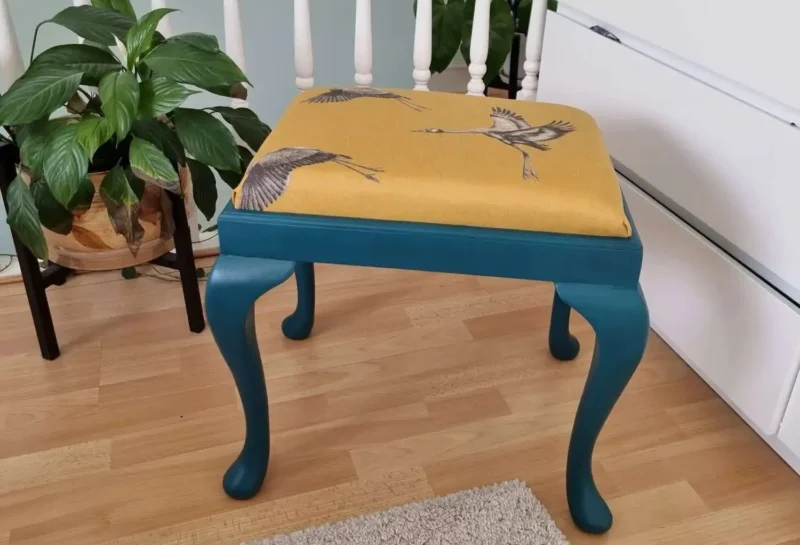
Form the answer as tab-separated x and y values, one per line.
413	385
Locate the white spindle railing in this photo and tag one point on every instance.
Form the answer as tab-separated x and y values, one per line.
363	50
533	51
423	43
479	47
11	64
303	48
165	25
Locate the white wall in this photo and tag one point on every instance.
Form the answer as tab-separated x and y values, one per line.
267	27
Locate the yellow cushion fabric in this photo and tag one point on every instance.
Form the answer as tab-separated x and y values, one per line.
372	154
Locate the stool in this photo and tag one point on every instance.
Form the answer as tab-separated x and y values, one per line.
444	183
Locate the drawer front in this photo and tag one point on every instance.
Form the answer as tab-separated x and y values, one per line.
741	336
790	427
732	42
732	167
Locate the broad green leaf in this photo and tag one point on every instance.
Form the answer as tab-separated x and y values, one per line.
151	165
33	139
96	24
122	6
185	63
52	215
30	99
82	200
233	179
448	20
501	36
65	165
24	218
119	92
206	42
204	188
94	63
206	138
162	137
160	95
123	207
92	132
140	35
237	91
246	124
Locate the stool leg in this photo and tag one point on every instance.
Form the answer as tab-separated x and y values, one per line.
563	345
620	321
298	325
233	287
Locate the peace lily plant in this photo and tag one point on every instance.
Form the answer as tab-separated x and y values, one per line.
84	108
452	31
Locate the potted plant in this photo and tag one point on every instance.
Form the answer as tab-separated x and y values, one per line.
102	133
452	31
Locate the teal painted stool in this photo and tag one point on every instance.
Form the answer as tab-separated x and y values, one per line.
422	182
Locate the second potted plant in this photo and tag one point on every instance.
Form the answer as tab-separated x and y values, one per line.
103	134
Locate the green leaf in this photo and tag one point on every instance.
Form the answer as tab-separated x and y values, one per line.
30	99
160	96
448	20
140	35
206	42
94	63
123	207
96	24
24	218
65	165
122	6
52	215
501	36
204	188
233	179
206	138
34	139
82	200
237	91
246	124
92	132
119	92
185	63
151	165
162	137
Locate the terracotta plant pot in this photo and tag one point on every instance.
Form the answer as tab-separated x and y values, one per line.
93	245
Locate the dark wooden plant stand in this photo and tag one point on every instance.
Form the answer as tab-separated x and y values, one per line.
37	281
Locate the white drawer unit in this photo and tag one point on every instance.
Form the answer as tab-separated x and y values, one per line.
754	44
741	336
730	165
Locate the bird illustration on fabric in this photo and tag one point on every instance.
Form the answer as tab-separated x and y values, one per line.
512	130
266	179
346	95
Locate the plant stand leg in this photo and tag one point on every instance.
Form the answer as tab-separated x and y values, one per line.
563	345
36	291
620	321
298	325
35	285
185	264
233	287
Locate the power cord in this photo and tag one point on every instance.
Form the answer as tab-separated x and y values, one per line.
5	266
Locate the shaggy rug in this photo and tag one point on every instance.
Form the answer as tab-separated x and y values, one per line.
501	514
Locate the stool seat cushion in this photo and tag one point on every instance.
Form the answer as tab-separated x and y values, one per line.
439	158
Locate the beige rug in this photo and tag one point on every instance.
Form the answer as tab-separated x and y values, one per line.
501	514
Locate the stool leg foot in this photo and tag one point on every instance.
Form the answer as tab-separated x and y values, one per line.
233	287
620	321
298	325
564	346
